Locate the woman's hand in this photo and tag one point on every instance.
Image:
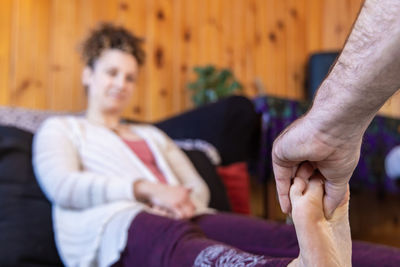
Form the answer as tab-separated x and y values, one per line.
172	200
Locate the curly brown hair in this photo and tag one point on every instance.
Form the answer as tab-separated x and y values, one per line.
108	36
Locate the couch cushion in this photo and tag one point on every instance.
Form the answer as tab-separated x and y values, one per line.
231	125
28	119
26	237
236	179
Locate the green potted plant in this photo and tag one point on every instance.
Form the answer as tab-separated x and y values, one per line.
212	84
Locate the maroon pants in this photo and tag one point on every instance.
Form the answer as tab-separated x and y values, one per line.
227	240
209	240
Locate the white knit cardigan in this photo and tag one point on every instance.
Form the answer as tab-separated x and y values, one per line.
87	172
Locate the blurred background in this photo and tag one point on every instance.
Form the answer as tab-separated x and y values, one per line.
265	40
267	46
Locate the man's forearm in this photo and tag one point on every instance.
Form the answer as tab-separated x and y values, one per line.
366	74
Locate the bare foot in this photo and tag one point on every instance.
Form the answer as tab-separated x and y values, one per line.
323	242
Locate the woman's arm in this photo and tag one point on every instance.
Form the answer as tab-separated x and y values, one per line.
185	171
58	170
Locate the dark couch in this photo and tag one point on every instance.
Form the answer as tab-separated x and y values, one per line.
26	236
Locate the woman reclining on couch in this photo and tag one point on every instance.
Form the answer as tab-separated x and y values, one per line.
125	195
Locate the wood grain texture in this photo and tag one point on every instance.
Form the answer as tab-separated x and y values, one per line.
269	40
5	51
28	79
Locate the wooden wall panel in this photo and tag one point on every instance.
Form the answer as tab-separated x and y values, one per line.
164	58
192	41
252	38
29	39
263	37
296	48
5	51
313	35
177	56
65	90
181	55
269	40
238	41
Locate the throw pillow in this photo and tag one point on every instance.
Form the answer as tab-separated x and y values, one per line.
236	179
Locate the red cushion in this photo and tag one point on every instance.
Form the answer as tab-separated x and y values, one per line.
236	180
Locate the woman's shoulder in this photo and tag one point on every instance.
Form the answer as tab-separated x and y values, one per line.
64	120
64	127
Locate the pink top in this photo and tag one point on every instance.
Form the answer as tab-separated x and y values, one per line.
142	150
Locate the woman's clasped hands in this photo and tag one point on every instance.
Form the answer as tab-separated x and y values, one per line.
166	200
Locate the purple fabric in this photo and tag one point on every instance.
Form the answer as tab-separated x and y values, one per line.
368	254
251	234
155	241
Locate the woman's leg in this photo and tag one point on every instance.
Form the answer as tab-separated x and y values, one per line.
369	254
322	242
159	241
155	241
250	234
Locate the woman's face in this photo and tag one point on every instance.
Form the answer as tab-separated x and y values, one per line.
111	81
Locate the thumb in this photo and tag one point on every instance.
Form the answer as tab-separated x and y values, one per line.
334	196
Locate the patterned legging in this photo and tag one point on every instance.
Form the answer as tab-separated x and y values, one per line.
209	240
226	240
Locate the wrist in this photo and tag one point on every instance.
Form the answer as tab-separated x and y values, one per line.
142	190
338	114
